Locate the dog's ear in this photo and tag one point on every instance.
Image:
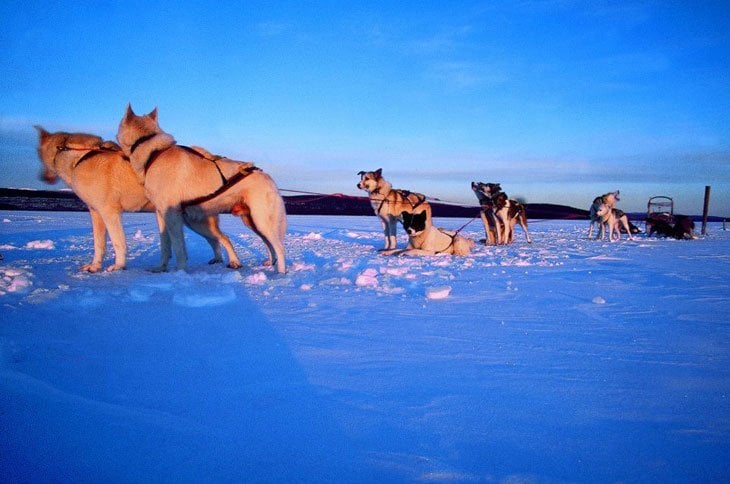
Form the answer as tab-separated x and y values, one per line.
129	113
360	173
153	114
379	172
42	133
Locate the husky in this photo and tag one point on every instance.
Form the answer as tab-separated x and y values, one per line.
499	212
426	239
609	199
621	220
491	224
389	203
101	176
181	180
606	217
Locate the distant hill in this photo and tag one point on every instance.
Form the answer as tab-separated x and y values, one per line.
315	204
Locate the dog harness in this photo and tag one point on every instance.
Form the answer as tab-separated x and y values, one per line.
405	194
227	183
90	153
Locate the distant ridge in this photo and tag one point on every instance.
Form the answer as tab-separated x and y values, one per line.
335	204
314	204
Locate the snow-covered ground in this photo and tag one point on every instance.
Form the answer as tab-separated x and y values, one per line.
561	360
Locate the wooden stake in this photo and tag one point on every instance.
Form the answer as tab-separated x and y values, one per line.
705	210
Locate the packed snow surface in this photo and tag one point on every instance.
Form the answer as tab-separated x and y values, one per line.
562	360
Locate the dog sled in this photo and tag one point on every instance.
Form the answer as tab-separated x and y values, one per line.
660	209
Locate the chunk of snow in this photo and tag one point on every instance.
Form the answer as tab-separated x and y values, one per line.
256	279
300	266
313	236
438	292
599	300
367	278
40	244
14	280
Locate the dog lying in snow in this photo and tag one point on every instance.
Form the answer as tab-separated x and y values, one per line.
683	228
425	239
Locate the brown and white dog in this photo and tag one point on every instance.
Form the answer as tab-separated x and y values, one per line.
389	203
499	212
177	179
101	176
608	199
425	239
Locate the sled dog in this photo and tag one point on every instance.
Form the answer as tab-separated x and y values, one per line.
500	212
425	239
491	224
621	220
609	199
101	176
178	179
606	218
389	203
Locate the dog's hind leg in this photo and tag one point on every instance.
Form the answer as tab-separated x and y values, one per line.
209	229
174	228
165	246
625	223
98	230
523	222
273	240
113	223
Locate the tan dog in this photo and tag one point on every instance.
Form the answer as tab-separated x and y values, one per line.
389	203
621	220
425	239
101	176
178	178
609	199
606	216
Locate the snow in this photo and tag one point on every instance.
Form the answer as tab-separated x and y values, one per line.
562	360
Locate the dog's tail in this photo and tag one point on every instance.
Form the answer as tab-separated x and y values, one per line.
462	245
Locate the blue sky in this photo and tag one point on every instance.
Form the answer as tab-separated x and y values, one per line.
558	100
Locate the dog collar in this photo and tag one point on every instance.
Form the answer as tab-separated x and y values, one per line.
141	140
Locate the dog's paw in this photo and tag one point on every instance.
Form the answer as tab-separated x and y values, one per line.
115	267
93	268
234	265
215	260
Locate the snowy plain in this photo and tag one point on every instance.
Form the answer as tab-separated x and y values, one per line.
562	360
